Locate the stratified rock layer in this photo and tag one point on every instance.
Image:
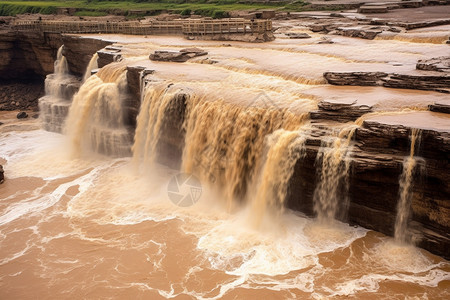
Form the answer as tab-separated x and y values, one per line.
431	82
79	50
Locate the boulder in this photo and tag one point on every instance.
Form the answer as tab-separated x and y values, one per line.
297	35
177	56
106	57
340	111
22	115
325	40
440	107
317	28
195	50
359	32
439	64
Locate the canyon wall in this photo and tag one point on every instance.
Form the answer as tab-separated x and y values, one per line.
28	55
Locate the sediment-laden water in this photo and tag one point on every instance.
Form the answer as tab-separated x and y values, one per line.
77	223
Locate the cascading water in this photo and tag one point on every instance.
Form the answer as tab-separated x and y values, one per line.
59	89
92	65
224	142
156	100
330	195
268	192
59	214
95	121
405	189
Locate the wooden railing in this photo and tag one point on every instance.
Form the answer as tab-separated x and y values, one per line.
134	27
184	26
202	27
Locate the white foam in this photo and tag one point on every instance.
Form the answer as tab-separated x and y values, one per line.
38	203
370	282
236	248
41	154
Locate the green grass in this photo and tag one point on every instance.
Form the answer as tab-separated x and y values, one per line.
211	8
90	13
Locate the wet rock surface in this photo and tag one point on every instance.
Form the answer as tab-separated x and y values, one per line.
341	112
297	35
79	50
440	107
22	115
380	147
376	164
108	55
177	56
431	82
439	64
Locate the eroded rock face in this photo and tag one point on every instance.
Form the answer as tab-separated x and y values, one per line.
79	50
27	55
2	174
432	82
439	64
440	107
376	165
431	197
108	55
342	112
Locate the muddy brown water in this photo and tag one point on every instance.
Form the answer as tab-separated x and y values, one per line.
92	227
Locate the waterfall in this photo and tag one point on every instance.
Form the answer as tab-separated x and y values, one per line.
224	141
283	150
61	66
91	66
405	189
59	89
95	120
155	101
330	195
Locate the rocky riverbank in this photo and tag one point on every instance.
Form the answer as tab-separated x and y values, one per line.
20	95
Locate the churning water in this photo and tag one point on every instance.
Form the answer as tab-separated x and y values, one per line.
80	224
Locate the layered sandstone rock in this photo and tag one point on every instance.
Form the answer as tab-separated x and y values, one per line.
338	111
108	55
27	55
439	64
432	82
177	56
440	107
79	50
376	165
